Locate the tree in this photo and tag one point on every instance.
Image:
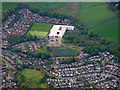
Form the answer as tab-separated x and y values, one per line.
38	68
23	85
20	78
48	48
91	50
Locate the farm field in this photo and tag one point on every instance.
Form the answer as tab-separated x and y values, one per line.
108	30
70	9
7	5
40	29
47	5
95	14
87	4
32	78
40	5
65	52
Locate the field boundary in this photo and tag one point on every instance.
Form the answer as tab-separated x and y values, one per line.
92	6
95	24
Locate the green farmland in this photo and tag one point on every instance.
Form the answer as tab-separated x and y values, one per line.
32	78
108	30
65	52
88	4
40	29
40	5
95	14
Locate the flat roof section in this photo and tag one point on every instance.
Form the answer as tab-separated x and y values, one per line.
59	30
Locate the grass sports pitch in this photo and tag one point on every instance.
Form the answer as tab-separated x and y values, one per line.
37	33
65	52
40	29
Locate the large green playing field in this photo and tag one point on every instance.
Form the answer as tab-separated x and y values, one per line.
65	52
43	27
108	30
32	78
40	29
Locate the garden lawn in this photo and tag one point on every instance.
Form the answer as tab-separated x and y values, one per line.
65	52
108	30
32	78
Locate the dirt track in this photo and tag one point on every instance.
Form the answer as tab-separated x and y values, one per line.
74	6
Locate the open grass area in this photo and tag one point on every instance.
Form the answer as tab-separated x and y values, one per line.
95	14
43	27
108	30
47	5
40	29
32	78
8	5
37	33
88	4
40	5
65	52
70	9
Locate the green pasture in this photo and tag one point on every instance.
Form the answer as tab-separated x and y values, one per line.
40	5
66	10
88	4
108	30
47	5
8	5
95	14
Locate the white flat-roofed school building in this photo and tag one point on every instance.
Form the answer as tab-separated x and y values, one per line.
59	30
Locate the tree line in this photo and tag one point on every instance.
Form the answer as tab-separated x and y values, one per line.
115	6
91	42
